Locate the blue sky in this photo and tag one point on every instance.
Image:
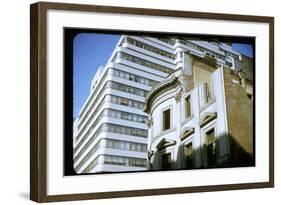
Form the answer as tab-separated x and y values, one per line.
92	50
245	49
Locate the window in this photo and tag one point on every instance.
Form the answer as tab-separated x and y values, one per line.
144	148
127	146
187	107
138	147
166	161
204	76
188	154
125	130
211	148
137	79
133	146
150	48
146	63
124	101
121	74
131	77
208	92
125	161
118	129
113	99
118	114
166	120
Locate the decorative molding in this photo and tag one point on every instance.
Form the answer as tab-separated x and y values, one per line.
165	143
178	96
206	118
187	132
149	122
150	153
159	89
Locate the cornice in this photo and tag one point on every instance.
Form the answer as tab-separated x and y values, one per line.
159	89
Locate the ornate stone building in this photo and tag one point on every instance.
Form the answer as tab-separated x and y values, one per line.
201	116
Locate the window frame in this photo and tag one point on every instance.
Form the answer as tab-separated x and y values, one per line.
190	106
162	117
186	156
185	142
166	152
211	125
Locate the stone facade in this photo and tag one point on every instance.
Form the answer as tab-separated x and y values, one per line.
218	129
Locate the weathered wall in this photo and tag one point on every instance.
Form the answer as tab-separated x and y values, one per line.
246	65
240	121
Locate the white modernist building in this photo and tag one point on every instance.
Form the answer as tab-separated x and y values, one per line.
111	134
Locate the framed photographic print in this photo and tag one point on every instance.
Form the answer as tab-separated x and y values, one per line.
136	102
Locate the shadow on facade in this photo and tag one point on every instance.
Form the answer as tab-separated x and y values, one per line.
237	156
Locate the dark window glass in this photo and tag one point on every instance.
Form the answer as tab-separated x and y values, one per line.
166	119
187	107
211	147
188	153
166	161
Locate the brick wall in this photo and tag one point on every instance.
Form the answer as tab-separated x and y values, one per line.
240	121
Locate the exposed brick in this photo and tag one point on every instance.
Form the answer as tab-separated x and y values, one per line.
240	121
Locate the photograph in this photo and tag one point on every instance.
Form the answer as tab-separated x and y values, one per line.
157	102
130	101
